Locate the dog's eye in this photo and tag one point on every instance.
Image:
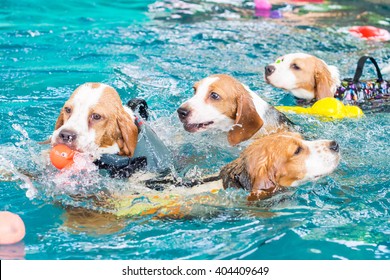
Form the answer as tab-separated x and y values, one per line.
214	96
295	67
298	151
68	110
96	117
194	88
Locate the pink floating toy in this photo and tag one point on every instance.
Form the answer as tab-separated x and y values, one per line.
263	9
262	5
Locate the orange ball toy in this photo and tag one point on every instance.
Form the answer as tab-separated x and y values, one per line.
61	156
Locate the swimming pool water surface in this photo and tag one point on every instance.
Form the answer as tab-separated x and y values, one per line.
156	50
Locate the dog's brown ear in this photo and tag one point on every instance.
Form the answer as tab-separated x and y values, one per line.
235	175
262	171
323	81
247	122
127	140
263	186
264	179
60	120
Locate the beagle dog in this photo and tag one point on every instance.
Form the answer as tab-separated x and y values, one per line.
280	160
305	76
223	103
94	121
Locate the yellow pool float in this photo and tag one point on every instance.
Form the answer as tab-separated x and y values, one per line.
173	203
327	107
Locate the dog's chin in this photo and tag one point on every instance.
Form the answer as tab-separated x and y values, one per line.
196	127
330	170
269	81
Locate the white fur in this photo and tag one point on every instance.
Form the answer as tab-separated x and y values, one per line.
335	76
320	162
130	112
386	69
303	94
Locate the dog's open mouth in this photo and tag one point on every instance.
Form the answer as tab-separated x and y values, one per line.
193	127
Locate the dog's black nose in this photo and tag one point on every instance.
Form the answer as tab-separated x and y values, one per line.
269	69
334	146
183	113
67	136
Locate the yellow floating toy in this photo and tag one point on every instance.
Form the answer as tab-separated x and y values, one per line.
176	202
328	107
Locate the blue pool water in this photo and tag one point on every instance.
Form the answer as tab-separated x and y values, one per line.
156	50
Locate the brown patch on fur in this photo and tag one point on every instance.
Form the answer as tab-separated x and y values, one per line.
323	79
116	125
270	162
60	120
247	122
313	76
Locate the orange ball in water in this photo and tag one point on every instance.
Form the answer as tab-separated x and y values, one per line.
61	156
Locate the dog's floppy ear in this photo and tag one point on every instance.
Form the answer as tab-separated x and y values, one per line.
263	184
60	120
235	175
127	140
323	81
262	171
247	122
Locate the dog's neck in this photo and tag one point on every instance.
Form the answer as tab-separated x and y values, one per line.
272	118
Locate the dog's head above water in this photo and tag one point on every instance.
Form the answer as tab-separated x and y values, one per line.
94	121
280	160
304	75
221	102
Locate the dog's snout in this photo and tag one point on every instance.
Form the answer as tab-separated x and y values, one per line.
334	146
269	69
67	136
183	113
